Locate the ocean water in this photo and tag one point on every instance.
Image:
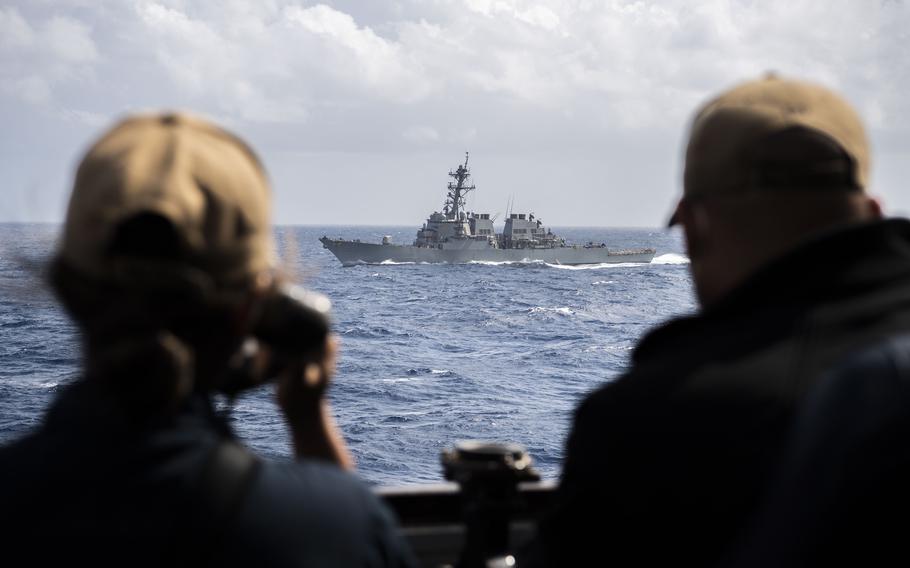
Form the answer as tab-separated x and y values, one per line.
430	354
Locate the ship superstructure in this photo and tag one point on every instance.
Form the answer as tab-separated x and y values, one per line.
458	236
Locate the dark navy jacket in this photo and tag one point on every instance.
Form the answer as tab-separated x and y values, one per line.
94	486
842	494
666	464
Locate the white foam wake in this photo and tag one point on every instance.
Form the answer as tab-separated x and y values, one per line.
670	258
505	262
598	266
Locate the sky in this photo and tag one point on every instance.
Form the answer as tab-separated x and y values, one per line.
575	110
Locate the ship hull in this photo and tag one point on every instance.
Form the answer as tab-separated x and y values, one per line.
352	253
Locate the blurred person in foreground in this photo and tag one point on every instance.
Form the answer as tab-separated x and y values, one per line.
166	264
841	496
794	267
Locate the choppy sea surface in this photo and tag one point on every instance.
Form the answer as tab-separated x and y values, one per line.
431	354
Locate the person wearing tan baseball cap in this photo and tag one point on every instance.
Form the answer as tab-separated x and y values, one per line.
167	265
203	181
769	164
794	267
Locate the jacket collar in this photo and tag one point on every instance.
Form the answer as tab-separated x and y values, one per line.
836	265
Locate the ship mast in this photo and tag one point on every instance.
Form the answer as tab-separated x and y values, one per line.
457	190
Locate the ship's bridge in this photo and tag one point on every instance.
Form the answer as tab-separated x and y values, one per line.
481	225
522	230
440	228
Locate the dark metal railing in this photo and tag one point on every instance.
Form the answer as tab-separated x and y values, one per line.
483	518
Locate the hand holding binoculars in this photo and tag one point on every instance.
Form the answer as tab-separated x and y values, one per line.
293	326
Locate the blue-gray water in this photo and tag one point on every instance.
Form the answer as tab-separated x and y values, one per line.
430	354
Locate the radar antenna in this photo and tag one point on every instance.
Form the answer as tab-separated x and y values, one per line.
455	202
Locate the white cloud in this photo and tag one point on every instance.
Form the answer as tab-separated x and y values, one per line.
535	14
37	58
229	65
14	30
82	117
356	54
421	134
613	82
69	40
539	16
189	49
33	89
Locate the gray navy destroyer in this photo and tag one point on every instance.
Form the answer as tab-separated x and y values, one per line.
458	236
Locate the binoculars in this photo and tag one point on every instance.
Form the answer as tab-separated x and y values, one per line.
293	323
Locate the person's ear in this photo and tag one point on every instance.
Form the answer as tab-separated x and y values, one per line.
874	208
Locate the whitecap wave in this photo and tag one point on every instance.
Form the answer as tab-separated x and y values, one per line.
387	262
399	380
594	348
566	311
427	370
603	282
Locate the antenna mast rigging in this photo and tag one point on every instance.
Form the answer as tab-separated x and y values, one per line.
455	199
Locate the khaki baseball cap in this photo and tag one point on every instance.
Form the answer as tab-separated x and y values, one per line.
775	134
207	183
